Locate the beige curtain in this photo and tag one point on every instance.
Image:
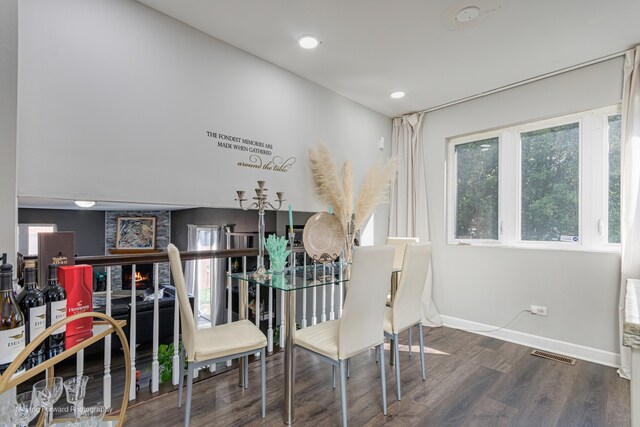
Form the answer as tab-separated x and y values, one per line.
629	189
408	215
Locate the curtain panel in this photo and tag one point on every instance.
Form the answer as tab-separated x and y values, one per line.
629	190
408	216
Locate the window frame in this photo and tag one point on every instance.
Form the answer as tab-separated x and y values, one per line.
593	187
452	179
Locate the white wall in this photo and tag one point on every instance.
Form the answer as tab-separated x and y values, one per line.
115	99
8	117
491	285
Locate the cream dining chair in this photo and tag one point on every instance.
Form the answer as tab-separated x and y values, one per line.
361	326
399	244
212	345
407	303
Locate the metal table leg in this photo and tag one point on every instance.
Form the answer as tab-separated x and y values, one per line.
289	357
394	288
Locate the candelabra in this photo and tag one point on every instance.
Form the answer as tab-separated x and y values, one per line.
261	204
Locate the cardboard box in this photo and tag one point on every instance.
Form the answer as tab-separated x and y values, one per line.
54	248
77	281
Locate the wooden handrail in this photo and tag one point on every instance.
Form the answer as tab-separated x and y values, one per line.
150	258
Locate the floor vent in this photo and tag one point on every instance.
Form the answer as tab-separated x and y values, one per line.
553	356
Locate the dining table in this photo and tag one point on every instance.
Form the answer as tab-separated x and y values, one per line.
290	281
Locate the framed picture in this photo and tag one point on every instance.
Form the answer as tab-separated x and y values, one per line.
136	233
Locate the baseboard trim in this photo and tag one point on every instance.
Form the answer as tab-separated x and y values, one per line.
568	349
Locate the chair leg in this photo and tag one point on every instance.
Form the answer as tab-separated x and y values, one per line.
263	381
187	413
349	368
246	372
424	377
410	336
181	378
383	379
343	393
396	351
333	371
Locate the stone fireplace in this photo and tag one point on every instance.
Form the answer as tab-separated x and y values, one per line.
144	276
163	232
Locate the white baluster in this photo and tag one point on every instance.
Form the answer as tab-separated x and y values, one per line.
177	370
341	289
155	366
323	316
257	300
106	384
213	279
304	293
229	295
332	314
314	319
282	298
80	363
213	272
132	334
270	329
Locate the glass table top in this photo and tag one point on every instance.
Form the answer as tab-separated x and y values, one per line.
297	278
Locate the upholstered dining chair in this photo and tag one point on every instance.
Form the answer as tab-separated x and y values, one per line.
407	303
399	244
361	326
212	345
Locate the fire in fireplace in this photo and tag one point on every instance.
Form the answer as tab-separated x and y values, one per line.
144	276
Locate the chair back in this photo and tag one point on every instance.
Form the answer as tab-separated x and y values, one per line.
186	315
407	303
362	322
400	243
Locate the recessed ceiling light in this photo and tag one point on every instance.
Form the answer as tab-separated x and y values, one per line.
84	203
468	14
308	42
397	94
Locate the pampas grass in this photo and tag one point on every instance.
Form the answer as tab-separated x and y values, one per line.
327	181
347	181
374	189
339	192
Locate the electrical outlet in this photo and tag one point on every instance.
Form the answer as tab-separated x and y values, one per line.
538	310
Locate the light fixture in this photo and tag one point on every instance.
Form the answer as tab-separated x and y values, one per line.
468	14
397	94
84	203
308	41
485	146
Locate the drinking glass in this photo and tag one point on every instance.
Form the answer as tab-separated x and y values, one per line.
47	392
5	409
76	388
24	408
92	416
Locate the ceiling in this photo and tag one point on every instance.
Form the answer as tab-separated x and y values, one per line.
370	48
48	203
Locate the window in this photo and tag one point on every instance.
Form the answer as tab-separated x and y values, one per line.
477	189
614	130
550	184
28	237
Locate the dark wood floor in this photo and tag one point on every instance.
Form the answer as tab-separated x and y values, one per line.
471	381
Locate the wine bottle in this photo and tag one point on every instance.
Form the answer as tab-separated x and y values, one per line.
12	331
56	299
31	302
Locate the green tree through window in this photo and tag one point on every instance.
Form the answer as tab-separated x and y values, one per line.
550	183
477	190
614	133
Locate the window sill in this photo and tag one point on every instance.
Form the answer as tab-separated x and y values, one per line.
562	247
